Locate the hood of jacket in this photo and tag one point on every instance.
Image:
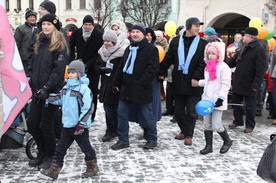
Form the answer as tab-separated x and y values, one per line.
220	46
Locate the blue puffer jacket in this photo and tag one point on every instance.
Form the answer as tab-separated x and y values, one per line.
76	99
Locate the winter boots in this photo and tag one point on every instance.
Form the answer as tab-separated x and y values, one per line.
209	142
53	171
91	168
227	142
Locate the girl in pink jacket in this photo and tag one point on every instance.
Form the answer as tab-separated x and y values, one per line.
216	85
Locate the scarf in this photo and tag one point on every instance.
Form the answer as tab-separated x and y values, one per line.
128	68
111	53
184	64
211	67
85	34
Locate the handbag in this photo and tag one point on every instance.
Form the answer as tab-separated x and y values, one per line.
267	165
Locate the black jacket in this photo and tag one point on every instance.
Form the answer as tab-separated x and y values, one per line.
181	82
137	87
251	64
47	68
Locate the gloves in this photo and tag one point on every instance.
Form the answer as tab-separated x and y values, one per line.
218	102
105	70
42	93
79	129
115	89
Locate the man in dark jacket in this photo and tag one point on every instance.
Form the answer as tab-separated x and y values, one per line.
86	41
22	35
251	64
186	53
134	79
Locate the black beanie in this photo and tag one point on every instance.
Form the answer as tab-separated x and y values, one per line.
49	6
88	19
30	13
51	18
251	30
140	27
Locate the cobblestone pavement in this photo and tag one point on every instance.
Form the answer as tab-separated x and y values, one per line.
172	161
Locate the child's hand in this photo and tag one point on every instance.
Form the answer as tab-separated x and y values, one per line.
218	102
79	129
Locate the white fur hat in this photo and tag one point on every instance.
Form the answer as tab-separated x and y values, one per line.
159	33
219	46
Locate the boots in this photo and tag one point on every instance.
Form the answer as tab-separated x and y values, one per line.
53	171
227	142
91	168
209	142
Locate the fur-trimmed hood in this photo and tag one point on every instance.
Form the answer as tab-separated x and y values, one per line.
220	46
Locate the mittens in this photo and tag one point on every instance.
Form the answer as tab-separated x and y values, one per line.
79	129
218	102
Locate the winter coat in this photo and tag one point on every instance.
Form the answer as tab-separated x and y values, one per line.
76	98
273	63
47	68
137	87
218	88
181	82
251	64
22	36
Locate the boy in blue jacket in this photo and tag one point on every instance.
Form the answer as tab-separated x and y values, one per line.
76	98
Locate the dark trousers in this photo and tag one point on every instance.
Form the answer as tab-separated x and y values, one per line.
185	114
66	140
169	97
111	118
250	110
260	98
41	126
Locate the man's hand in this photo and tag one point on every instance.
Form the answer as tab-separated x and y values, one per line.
194	83
115	89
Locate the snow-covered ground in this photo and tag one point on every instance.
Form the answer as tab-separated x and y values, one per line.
171	162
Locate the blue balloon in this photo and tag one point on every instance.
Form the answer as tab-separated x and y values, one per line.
204	107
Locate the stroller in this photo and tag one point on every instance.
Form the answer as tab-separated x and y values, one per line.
17	135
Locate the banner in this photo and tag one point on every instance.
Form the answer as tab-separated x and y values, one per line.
14	87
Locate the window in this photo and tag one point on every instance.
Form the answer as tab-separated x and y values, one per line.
82	4
7	5
19	5
31	4
68	4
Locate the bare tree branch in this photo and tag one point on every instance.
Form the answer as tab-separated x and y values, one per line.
271	6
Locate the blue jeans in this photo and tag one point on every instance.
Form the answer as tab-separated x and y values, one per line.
67	138
250	110
142	109
111	118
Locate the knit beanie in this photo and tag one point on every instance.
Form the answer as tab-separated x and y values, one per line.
213	49
51	18
140	27
49	6
29	13
88	19
110	36
210	31
218	48
159	33
78	66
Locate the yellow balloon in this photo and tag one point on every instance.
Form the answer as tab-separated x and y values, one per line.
170	28
255	22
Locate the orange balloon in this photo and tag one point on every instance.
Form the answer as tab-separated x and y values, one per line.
66	73
271	43
262	32
161	52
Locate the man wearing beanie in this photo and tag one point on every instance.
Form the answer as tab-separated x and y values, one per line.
22	35
251	63
86	41
133	79
186	53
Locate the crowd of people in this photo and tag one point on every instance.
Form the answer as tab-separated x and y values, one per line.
130	75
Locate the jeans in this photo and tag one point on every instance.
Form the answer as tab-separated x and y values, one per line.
250	109
41	126
185	114
142	109
66	140
111	118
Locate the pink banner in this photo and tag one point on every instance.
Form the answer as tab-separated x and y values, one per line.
16	91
